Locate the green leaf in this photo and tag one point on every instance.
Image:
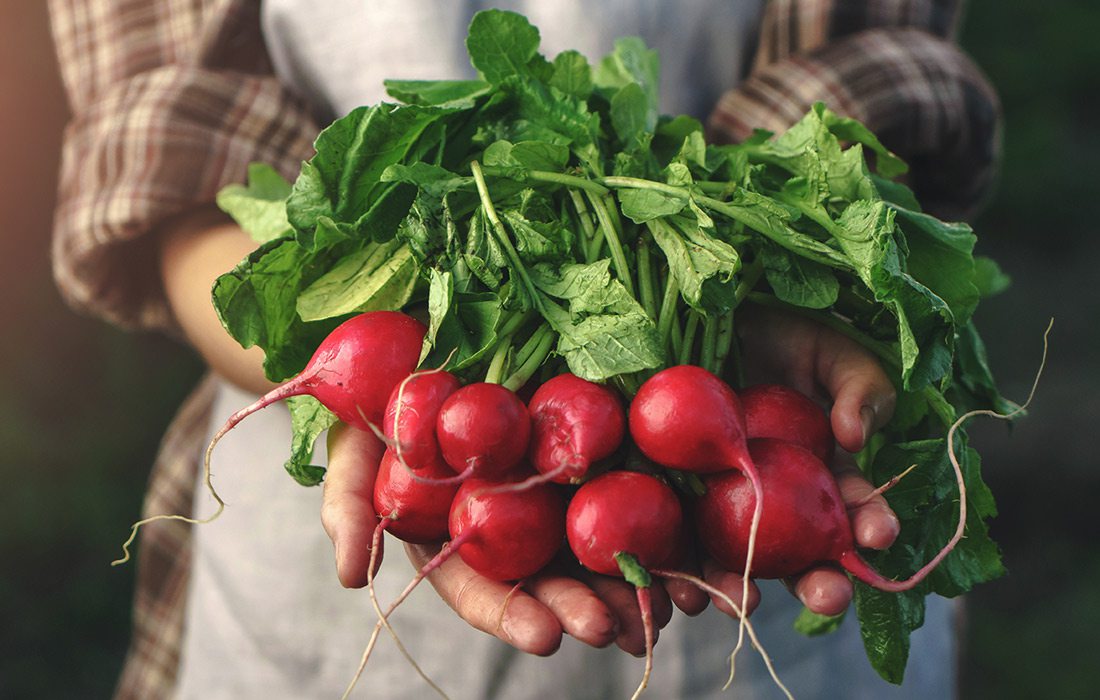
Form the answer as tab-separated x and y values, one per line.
256	301
342	181
461	94
885	622
308	420
379	277
974	378
260	207
605	331
812	624
501	44
462	326
539	241
632	62
848	129
702	265
631	116
925	323
572	74
941	258
989	278
797	280
642	205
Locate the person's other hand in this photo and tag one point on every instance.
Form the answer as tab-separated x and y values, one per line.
822	363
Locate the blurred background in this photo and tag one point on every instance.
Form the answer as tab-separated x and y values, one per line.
82	406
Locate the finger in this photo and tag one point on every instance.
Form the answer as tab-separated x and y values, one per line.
347	508
863	396
824	591
622	599
491	606
686	596
874	523
732	584
578	609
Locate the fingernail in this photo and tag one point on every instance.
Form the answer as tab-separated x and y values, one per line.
867	420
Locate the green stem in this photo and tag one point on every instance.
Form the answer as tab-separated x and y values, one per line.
724	342
535	357
513	322
667	316
499	363
750	275
688	344
581	183
645	277
592	238
618	257
677	342
637	183
502	233
708	350
628	384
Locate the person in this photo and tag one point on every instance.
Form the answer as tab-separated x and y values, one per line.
171	101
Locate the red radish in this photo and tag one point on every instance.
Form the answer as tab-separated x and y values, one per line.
411	416
417	508
483	430
507	535
574	423
352	373
354	369
623	511
623	524
686	418
778	411
804	521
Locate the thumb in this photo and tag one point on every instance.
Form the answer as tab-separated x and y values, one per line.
347	508
863	396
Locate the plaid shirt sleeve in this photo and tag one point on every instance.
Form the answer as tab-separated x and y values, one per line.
892	64
171	100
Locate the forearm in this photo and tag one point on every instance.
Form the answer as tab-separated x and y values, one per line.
194	249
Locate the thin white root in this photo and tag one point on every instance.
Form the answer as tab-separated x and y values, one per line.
384	621
207	481
881	489
645	606
955	461
431	566
758	507
504	605
748	626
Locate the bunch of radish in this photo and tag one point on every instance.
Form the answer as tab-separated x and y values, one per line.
507	485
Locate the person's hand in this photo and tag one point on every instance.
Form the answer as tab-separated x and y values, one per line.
596	610
822	363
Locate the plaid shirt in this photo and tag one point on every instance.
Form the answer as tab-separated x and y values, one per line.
173	99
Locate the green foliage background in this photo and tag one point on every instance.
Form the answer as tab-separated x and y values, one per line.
82	406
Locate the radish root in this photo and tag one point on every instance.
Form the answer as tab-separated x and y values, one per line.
504	605
383	617
749	469
645	606
748	626
881	489
859	567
